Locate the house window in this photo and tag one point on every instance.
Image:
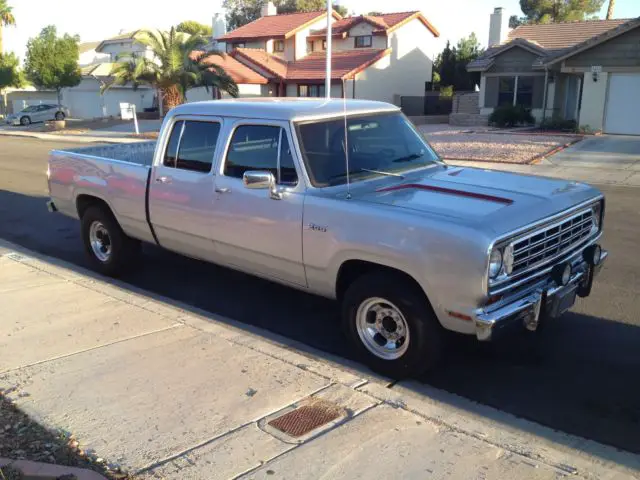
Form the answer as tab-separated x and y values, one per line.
524	94
231	46
506	89
309	46
278	45
363	41
324	44
311	90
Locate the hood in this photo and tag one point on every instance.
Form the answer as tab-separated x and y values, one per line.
498	202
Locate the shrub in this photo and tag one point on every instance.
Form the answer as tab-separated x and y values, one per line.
557	123
446	91
510	115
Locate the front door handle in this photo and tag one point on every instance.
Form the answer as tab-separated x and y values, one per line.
223	190
163	179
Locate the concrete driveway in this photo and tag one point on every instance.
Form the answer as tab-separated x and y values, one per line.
609	152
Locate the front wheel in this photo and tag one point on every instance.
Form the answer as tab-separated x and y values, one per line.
24	121
392	325
109	250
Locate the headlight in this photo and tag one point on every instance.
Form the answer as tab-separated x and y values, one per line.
495	263
597	214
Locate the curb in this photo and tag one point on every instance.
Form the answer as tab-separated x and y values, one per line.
536	160
72	138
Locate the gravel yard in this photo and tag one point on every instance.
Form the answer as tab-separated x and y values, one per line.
456	143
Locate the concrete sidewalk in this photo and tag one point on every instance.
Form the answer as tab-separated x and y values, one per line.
165	391
96	136
579	173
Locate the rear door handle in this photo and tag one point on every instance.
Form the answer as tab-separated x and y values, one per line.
223	190
163	179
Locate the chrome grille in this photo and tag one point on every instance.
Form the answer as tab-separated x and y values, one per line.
551	241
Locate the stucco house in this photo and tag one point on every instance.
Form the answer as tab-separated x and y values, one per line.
373	57
587	71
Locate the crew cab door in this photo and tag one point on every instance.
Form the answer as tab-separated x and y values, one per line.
258	230
181	195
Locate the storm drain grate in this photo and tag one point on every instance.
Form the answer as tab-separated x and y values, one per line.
306	418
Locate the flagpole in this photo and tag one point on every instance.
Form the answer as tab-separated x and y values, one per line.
327	86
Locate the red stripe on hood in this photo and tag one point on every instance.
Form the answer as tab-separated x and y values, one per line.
450	191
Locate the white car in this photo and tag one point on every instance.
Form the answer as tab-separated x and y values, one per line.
38	113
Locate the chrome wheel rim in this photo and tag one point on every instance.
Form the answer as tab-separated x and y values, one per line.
382	328
100	241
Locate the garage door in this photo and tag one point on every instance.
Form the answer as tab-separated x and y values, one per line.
623	104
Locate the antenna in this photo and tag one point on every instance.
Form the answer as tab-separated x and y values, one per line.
346	136
327	87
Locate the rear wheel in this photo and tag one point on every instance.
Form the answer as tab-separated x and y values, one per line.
392	325
109	250
59	116
24	121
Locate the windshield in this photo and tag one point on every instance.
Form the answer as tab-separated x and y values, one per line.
30	109
378	144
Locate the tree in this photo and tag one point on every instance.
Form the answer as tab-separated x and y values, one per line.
6	18
374	14
451	64
553	11
10	74
194	28
612	4
241	12
52	61
179	64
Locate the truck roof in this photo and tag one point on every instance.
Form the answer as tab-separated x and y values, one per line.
279	108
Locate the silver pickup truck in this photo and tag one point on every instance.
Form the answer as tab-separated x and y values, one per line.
409	245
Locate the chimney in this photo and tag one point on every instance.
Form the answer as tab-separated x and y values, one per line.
218	26
268	8
498	27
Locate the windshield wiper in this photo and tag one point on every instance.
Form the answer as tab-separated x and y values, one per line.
368	170
408	158
390	174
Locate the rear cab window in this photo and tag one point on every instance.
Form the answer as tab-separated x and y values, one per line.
192	145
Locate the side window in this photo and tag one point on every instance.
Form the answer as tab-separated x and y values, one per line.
192	145
197	146
171	152
256	147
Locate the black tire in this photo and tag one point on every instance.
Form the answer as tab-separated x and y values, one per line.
59	116
426	335
124	250
24	121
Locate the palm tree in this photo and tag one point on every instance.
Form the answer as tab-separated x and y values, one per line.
179	63
6	18
612	4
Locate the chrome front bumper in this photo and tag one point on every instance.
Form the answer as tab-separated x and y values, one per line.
544	299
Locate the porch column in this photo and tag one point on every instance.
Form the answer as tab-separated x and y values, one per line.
515	90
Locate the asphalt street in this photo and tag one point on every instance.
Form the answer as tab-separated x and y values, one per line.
580	375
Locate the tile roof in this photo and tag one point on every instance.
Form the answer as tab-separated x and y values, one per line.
384	23
98	69
345	63
239	72
87	46
275	26
271	63
557	36
552	40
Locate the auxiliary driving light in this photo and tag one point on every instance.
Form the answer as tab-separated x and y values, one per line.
592	254
561	274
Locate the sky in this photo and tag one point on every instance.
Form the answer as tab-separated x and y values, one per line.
96	20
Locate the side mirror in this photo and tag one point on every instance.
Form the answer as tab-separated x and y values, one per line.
258	179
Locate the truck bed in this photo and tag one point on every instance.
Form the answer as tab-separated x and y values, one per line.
140	153
118	175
